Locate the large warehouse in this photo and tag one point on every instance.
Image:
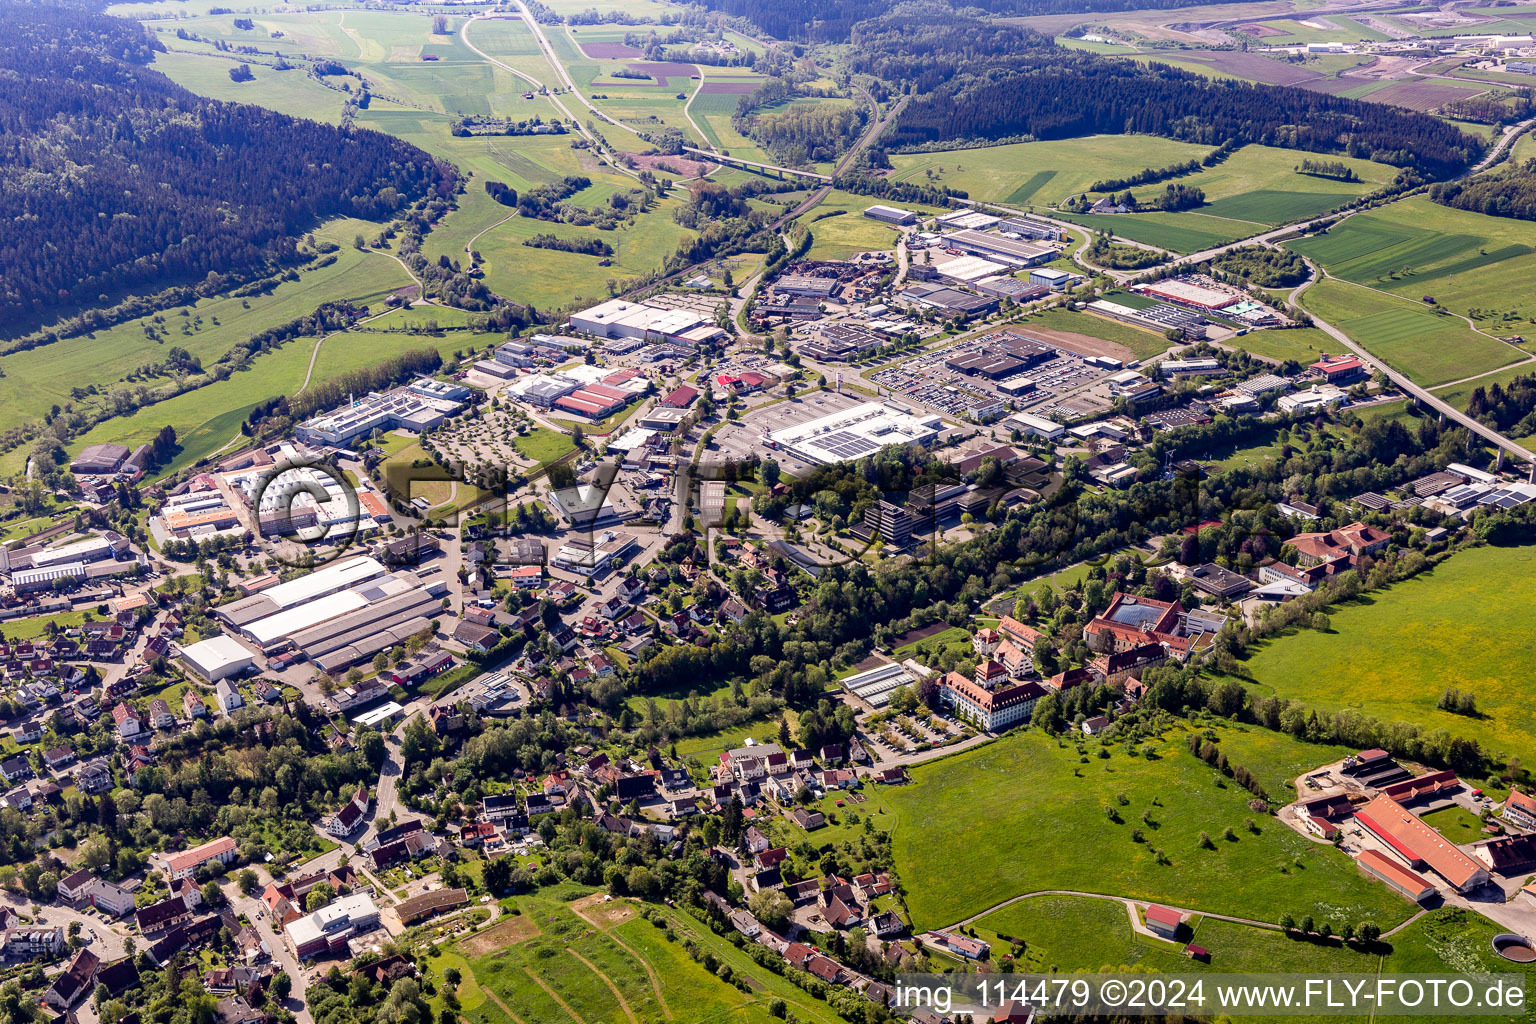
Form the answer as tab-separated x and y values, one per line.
620	318
1014	252
338	616
856	432
217	658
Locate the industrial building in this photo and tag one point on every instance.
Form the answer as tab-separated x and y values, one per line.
99	460
217	658
1054	279
588	558
967	219
1026	228
1014	252
841	342
967	270
1036	426
890	215
1187	293
621	318
414	407
339	615
811	287
856	432
949	300
1006	287
1190	368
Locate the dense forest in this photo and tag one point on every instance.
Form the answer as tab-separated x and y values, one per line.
1072	96
115	179
1511	194
830	21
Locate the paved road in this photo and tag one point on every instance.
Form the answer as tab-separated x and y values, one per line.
1441	406
255	911
549	53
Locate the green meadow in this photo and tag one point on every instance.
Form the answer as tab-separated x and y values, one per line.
1430	348
1041	173
1464	625
1019	813
1416	248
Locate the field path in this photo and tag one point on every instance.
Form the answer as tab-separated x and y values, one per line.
504	1007
649	972
538	35
1128	901
623	1003
315	355
554	995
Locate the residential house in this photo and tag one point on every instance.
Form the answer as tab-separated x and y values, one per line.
160	716
229	697
158	917
352	814
129	725
76	981
15	769
59	758
187	862
1520	809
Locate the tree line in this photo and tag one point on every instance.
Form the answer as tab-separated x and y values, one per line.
1511	194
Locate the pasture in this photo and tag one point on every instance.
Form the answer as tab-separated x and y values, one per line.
1416	247
1189	231
594	961
1041	173
1019	812
1464	624
112	358
848	232
1430	348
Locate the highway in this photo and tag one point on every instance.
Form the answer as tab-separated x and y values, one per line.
754	165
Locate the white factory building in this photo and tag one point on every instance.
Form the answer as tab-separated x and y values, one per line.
621	318
420	406
339	615
856	432
217	658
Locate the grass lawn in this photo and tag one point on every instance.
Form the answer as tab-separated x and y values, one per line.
1429	348
1456	823
543	445
1471	612
1416	248
849	231
1041	173
31	629
1020	812
1303	344
707	747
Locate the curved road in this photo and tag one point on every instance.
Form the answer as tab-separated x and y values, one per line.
1424	397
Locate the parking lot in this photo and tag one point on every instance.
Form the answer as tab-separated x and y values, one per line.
927	379
742	439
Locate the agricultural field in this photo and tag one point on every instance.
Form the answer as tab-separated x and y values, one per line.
1471	611
1256	188
592	960
207	329
1041	173
1430	348
208	419
1020	811
1415	248
1322	29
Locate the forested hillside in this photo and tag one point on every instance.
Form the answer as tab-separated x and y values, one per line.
115	179
830	21
1074	95
1511	194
